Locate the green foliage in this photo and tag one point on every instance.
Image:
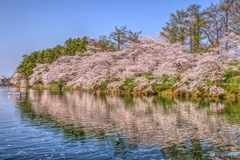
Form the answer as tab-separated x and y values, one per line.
161	87
68	88
129	84
210	83
200	89
76	45
27	65
234	63
235	79
60	83
71	47
229	73
185	27
166	84
232	88
53	86
165	78
122	36
232	81
147	76
102	86
103	44
38	86
187	83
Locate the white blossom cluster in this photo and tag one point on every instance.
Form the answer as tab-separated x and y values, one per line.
152	56
18	79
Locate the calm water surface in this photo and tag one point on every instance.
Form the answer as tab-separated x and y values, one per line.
65	125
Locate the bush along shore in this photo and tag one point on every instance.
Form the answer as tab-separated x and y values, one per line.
148	66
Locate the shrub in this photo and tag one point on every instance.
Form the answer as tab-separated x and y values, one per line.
210	83
230	73
166	84
129	84
101	86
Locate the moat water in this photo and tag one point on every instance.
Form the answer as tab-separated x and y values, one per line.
65	125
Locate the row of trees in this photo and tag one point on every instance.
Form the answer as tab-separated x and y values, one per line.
116	41
199	30
70	47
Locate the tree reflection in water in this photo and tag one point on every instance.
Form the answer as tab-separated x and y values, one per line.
170	128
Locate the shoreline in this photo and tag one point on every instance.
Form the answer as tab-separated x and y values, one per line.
166	93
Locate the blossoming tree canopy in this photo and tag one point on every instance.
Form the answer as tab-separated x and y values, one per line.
154	58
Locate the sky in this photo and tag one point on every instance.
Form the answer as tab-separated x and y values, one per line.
32	25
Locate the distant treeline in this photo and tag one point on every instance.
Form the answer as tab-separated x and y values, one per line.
70	47
198	30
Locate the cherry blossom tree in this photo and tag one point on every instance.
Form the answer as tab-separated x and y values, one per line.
155	57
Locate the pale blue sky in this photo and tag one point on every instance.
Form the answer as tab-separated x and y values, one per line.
29	25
